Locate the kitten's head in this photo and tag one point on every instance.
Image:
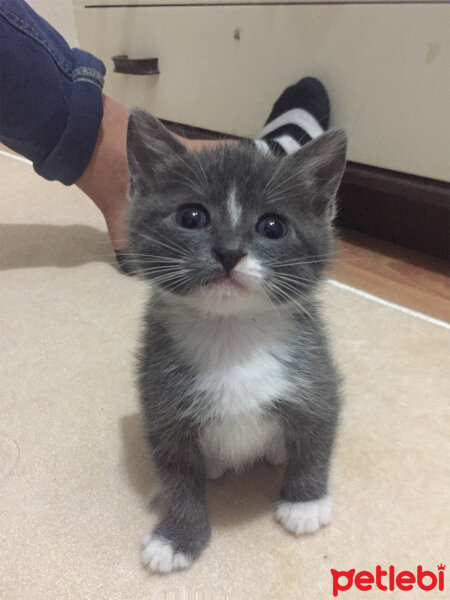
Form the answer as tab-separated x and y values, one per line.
231	229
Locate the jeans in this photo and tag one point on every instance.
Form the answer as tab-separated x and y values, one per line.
50	95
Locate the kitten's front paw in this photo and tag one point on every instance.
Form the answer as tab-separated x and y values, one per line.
159	555
305	517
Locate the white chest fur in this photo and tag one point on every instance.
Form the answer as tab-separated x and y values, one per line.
240	365
237	441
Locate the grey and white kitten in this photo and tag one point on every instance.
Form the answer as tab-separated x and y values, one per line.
235	364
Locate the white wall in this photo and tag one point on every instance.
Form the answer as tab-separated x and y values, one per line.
59	13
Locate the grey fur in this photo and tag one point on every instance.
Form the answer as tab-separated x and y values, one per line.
300	187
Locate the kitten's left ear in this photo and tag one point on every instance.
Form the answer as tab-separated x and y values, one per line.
149	146
323	161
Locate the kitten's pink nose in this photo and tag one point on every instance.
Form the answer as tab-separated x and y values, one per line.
228	257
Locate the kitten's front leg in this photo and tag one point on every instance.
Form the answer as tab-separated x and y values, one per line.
305	504
182	534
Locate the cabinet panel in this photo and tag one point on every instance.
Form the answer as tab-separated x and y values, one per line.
117	3
385	67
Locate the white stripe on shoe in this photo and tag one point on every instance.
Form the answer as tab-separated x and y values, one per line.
288	143
263	146
295	116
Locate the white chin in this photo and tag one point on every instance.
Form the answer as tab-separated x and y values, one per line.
228	299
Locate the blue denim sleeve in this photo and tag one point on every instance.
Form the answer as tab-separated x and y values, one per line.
50	95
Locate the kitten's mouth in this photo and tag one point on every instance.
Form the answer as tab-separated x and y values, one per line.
228	283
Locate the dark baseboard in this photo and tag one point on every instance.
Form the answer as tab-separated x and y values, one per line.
402	209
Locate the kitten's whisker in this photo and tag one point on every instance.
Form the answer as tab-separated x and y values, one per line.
273	177
292	263
276	273
282	188
277	290
266	291
143	269
152	262
179	244
172	286
199	162
180	283
309	257
283	183
156	270
290	286
191	169
302	263
300	306
162	271
169	269
155	258
169	280
273	299
154	240
200	177
166	278
303	297
174	246
292	278
280	199
188	183
281	289
312	256
140	271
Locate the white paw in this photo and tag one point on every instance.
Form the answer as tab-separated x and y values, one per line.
305	517
158	555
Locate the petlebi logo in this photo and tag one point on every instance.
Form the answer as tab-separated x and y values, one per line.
388	579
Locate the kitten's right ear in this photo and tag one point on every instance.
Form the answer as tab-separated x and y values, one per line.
149	145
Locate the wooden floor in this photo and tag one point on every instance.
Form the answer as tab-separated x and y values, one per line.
397	274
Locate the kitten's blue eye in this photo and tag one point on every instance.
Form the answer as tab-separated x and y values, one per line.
272	227
193	216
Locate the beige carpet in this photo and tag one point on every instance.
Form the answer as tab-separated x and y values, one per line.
74	471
